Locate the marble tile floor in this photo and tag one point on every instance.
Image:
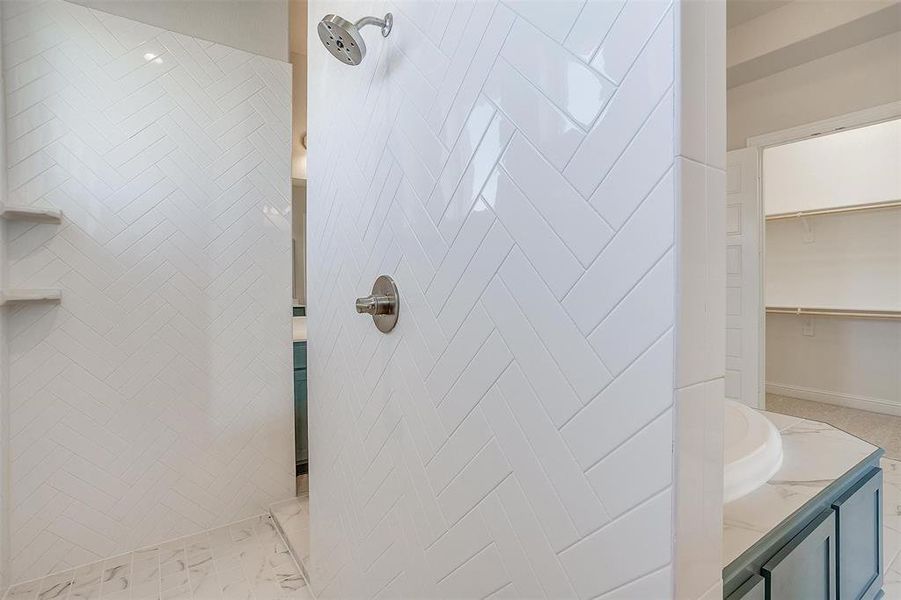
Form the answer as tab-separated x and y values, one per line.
878	429
248	560
891	528
292	517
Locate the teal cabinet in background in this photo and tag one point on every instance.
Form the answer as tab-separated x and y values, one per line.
859	539
301	449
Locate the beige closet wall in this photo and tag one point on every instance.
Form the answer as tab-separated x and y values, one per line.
860	77
845	361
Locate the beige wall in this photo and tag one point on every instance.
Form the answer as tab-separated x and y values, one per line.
298	11
861	77
258	26
299	228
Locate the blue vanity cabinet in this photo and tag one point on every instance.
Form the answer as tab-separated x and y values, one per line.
859	539
828	549
806	566
300	407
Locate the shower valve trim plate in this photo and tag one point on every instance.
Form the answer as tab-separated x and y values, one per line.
383	304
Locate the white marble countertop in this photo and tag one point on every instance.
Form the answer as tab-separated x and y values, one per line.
815	455
300	329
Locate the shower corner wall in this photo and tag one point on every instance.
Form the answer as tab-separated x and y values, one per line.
700	90
4	362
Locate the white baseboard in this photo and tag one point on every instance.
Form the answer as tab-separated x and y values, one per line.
876	405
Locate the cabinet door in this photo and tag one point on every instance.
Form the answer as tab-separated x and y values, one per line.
805	567
300	417
300	355
753	589
300	405
858	516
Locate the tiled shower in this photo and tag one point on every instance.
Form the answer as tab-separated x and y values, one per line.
540	179
153	400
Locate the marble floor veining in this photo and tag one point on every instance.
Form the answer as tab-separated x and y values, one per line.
891	528
292	517
248	560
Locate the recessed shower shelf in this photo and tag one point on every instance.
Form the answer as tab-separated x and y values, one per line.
34	215
30	295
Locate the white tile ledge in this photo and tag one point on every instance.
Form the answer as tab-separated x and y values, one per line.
34	215
30	295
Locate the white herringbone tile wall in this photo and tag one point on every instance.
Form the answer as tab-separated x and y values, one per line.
4	361
154	401
511	164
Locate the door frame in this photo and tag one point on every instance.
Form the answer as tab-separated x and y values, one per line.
758	221
853	120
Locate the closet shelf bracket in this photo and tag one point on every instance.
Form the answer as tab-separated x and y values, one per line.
808	229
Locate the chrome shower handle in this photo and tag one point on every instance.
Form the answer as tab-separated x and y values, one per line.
376	304
383	304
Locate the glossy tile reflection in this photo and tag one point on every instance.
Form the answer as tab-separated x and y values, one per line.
245	560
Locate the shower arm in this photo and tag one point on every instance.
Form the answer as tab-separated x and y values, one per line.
383	24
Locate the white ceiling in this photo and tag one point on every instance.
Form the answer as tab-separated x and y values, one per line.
742	11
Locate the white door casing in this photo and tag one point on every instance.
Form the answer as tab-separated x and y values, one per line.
744	281
511	166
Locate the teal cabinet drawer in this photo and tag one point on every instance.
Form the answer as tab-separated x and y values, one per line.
300	355
805	567
753	589
301	448
858	514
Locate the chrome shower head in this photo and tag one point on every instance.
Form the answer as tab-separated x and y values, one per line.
342	38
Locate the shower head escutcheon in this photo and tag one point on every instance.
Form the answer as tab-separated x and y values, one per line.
342	38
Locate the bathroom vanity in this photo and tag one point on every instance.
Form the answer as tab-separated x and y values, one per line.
814	530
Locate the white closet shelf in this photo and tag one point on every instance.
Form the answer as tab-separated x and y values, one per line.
18	296
857	313
34	215
836	210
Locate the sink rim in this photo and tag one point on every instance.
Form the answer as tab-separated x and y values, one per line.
752	450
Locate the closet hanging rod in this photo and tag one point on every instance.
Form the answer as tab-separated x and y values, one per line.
836	210
835	312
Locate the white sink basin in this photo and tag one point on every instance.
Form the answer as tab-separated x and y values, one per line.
752	449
